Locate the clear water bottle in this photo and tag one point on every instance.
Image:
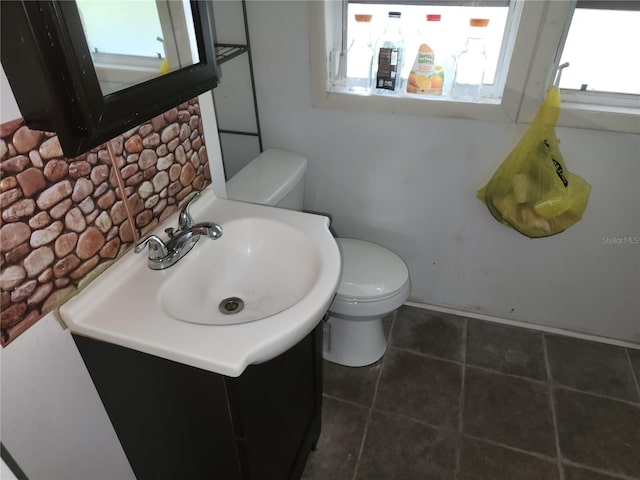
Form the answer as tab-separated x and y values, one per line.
390	49
471	63
360	56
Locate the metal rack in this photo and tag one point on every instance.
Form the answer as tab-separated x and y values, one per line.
228	51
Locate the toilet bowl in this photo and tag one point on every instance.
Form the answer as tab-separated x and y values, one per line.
374	280
374	283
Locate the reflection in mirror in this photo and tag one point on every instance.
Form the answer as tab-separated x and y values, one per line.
132	42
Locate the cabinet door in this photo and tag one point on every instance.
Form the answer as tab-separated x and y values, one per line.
172	420
277	410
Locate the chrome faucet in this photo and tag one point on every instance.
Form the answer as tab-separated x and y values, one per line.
163	255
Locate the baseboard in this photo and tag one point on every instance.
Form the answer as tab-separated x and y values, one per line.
530	326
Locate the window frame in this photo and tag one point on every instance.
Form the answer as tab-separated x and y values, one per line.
541	29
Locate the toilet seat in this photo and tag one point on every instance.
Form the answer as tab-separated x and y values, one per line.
374	280
369	272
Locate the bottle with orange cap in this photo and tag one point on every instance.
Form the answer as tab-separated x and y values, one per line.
471	63
360	56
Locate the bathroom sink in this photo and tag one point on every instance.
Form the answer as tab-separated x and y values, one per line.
273	273
259	267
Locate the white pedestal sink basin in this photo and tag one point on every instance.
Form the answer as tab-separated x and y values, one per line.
283	265
264	266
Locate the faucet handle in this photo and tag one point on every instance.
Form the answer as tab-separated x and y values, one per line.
184	219
157	248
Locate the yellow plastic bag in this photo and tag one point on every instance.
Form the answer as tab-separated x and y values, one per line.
532	190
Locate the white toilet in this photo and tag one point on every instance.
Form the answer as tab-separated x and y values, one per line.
374	280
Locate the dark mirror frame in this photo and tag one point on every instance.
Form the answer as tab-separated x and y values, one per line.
47	61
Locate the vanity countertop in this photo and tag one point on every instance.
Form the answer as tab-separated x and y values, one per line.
123	305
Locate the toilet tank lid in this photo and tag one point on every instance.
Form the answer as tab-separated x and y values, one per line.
268	178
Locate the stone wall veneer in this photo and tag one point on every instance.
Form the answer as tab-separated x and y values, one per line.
62	218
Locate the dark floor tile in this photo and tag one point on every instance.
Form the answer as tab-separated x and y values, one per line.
506	349
399	448
356	384
343	427
634	355
599	432
592	367
482	461
421	387
508	410
575	473
432	333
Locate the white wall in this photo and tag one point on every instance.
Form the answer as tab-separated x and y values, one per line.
53	422
409	183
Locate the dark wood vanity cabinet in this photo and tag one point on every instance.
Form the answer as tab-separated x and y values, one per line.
179	422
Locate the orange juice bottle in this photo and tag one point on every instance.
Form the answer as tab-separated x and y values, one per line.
427	75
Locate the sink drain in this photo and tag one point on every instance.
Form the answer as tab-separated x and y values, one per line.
231	305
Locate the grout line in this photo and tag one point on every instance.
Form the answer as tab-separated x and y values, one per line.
348	402
512	375
541	456
465	330
621	476
417	420
465	333
633	372
373	401
426	355
598	395
123	194
553	407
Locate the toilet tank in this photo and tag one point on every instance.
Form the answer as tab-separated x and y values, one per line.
274	178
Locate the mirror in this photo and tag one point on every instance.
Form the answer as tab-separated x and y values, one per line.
132	42
91	69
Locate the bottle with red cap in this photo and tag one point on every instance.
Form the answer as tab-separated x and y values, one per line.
427	76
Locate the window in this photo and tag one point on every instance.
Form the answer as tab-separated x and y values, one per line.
527	42
595	47
452	29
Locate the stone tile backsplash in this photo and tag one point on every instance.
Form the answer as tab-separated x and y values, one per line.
66	219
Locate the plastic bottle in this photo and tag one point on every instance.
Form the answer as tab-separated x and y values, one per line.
360	56
427	75
389	58
471	63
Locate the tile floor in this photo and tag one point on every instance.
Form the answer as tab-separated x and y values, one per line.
458	398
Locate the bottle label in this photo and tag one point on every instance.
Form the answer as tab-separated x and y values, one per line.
426	78
387	68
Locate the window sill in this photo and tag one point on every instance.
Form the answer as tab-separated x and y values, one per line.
600	117
572	115
408	104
